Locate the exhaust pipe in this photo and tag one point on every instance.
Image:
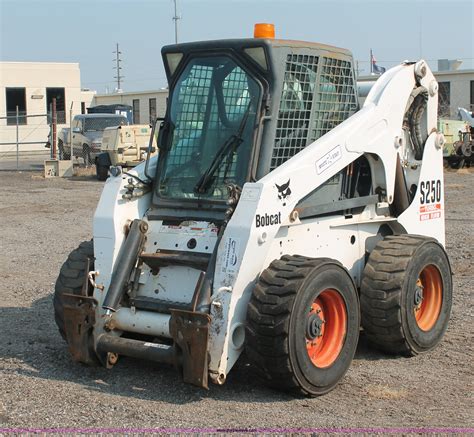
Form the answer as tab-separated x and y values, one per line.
127	259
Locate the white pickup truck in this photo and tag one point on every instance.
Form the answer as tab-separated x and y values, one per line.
87	132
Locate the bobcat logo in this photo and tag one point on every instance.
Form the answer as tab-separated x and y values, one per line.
283	190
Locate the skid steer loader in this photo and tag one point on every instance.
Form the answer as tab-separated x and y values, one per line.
279	219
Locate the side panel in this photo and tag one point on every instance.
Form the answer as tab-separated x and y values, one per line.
425	215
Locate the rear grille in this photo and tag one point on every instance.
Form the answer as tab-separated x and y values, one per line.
312	103
337	98
295	107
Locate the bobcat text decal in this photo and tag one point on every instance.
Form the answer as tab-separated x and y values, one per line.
267	220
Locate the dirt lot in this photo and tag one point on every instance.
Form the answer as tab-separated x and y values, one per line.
42	220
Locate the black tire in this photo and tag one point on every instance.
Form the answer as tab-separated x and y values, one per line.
102	172
406	294
459	163
63	155
279	315
71	279
86	155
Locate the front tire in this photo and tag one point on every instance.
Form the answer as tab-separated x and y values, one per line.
102	172
63	155
303	324
406	294
86	154
71	279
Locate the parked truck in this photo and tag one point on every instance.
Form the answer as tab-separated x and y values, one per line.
459	148
125	146
87	131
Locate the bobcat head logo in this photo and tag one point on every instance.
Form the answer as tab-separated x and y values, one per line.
283	190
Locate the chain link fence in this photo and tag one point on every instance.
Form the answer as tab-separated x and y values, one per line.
27	140
23	138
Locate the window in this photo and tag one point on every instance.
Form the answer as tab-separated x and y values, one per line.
16	97
152	103
444	99
77	123
99	123
83	107
213	112
136	111
58	94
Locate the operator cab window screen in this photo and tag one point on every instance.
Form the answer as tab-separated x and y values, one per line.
318	94
58	94
212	114
15	97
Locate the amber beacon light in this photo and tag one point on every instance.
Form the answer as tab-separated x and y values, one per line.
264	30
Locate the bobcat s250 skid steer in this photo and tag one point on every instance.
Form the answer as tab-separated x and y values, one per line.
279	219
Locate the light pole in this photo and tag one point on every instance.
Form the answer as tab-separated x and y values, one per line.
175	19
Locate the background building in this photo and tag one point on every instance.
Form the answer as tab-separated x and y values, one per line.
147	105
31	87
456	88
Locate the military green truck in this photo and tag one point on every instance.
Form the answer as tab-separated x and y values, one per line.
457	150
125	146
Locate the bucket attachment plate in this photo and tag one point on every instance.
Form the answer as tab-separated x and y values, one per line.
79	319
190	331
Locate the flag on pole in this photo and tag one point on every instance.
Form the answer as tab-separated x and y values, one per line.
374	68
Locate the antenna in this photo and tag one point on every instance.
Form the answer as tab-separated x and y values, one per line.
175	19
117	67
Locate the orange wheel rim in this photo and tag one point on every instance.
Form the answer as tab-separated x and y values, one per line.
428	297
326	328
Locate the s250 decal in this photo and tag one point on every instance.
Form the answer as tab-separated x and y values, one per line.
430	191
430	200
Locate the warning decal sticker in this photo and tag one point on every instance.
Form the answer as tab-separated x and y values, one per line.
429	212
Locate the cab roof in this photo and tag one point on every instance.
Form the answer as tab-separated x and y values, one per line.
251	42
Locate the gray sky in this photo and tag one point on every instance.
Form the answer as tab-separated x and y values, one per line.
86	31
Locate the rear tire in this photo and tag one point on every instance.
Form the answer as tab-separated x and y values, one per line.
303	324
71	279
102	172
63	155
458	163
406	294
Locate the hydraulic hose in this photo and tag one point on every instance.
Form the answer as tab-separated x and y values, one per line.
415	109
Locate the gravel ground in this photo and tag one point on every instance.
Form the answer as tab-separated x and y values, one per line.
43	220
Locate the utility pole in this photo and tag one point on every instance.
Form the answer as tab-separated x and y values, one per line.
117	67
175	19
